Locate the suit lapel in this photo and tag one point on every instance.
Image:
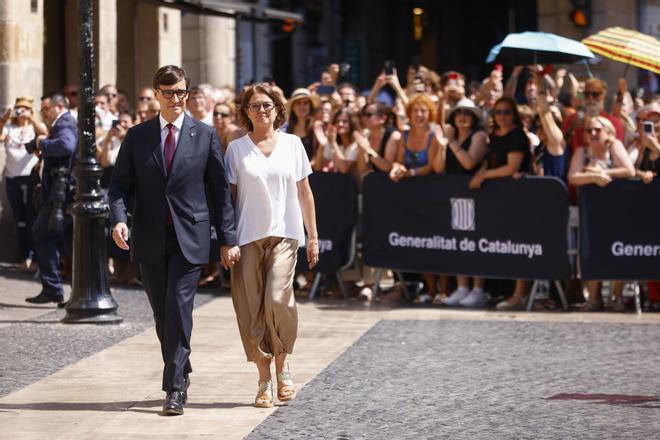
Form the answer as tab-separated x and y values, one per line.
154	140
184	145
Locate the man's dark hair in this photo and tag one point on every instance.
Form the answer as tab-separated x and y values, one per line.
170	75
57	98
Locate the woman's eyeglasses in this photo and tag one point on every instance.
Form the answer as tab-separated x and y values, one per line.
169	94
255	107
221	114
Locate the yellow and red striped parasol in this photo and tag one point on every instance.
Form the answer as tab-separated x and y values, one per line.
627	46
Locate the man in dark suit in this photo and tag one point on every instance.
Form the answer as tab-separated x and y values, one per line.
50	234
170	173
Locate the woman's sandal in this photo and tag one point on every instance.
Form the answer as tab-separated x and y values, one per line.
264	397
285	383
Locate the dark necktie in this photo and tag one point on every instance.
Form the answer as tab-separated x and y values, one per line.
168	152
170	147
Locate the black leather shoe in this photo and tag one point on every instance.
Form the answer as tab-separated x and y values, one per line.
174	403
44	298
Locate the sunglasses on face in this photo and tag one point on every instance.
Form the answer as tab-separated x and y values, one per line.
504	112
255	107
169	94
221	114
592	94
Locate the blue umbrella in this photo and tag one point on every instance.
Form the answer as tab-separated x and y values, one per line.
537	48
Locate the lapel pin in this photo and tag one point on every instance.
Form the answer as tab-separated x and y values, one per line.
192	133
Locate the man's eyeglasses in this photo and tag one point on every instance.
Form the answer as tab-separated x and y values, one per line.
592	94
169	94
255	107
222	115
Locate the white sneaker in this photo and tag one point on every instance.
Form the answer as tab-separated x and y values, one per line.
424	298
455	298
476	298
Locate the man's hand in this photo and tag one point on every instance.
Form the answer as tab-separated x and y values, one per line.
120	235
40	138
229	255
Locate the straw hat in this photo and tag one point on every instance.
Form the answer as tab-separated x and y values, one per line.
302	93
466	104
24	101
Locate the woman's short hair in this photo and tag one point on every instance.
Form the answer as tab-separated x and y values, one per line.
170	75
423	100
267	90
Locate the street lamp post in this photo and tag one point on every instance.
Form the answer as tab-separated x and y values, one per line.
91	301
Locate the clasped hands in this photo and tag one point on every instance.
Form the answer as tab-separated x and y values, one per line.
229	255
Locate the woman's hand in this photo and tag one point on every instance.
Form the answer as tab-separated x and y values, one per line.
5	116
478	179
398	172
650	141
645	176
332	134
601	179
312	252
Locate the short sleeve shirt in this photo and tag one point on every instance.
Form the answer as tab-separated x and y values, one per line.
501	146
267	194
18	161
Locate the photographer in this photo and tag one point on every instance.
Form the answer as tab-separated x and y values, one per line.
17	128
52	226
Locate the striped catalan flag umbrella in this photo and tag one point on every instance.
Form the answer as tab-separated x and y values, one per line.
627	46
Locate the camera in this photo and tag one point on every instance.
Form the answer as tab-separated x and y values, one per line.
59	192
648	127
18	112
31	146
115	123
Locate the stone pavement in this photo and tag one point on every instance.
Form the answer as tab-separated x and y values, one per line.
366	372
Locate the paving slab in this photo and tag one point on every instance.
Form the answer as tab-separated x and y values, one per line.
482	380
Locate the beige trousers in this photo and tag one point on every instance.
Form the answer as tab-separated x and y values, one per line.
262	293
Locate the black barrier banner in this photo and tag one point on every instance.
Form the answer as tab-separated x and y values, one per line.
620	231
335	198
507	229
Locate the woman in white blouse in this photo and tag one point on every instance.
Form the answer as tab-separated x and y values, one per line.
17	128
268	170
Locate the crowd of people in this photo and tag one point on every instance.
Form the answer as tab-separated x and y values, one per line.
538	121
